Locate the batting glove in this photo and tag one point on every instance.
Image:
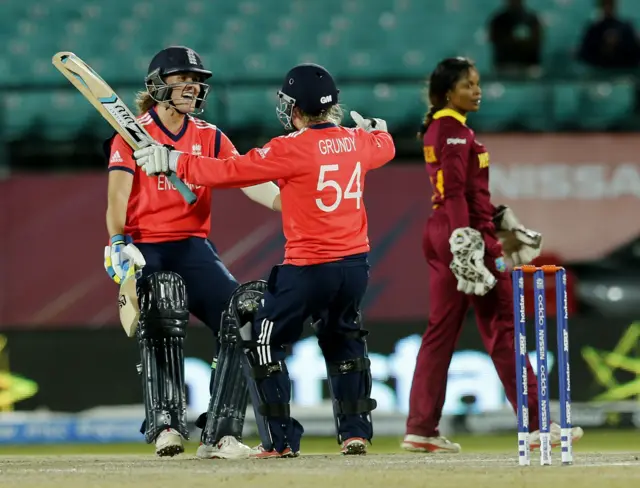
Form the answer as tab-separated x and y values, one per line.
156	159
122	256
369	124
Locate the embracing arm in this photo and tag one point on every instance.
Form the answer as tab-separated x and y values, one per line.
257	166
267	194
262	165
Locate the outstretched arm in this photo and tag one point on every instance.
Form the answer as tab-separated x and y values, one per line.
266	194
261	165
257	166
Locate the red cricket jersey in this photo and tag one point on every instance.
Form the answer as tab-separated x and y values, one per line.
458	167
321	172
156	212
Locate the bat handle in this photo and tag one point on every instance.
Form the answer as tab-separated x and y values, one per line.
182	187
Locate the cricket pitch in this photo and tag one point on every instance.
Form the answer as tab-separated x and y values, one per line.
611	469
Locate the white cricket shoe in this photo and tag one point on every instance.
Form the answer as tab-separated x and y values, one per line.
440	444
169	443
227	448
555	434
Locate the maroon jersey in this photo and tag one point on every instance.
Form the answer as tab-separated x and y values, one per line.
458	167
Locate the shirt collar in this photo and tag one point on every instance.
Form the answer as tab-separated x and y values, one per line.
171	135
322	125
447	112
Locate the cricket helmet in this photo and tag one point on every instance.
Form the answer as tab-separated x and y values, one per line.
307	86
173	60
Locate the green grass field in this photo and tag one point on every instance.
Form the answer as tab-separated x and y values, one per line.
593	441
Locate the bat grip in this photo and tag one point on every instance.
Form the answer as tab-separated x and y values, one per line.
182	187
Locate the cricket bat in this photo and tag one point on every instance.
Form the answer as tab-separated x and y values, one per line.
128	306
111	107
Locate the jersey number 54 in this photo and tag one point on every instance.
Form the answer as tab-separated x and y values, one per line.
324	182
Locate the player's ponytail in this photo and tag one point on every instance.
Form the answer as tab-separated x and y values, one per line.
144	102
333	114
441	82
428	118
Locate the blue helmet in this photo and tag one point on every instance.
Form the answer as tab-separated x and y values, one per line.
170	61
307	86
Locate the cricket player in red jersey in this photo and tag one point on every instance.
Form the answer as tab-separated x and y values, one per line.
321	169
465	243
152	227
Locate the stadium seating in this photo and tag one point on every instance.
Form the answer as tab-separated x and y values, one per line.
366	44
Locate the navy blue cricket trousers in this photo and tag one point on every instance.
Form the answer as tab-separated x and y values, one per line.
209	284
331	294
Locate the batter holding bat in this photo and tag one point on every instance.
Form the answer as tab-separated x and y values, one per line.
153	229
320	168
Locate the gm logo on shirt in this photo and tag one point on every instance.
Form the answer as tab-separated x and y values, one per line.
327	99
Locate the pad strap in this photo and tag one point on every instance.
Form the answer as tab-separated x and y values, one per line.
352	407
277	410
349	366
261	372
355	407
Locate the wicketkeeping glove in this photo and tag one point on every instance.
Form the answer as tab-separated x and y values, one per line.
467	247
520	245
